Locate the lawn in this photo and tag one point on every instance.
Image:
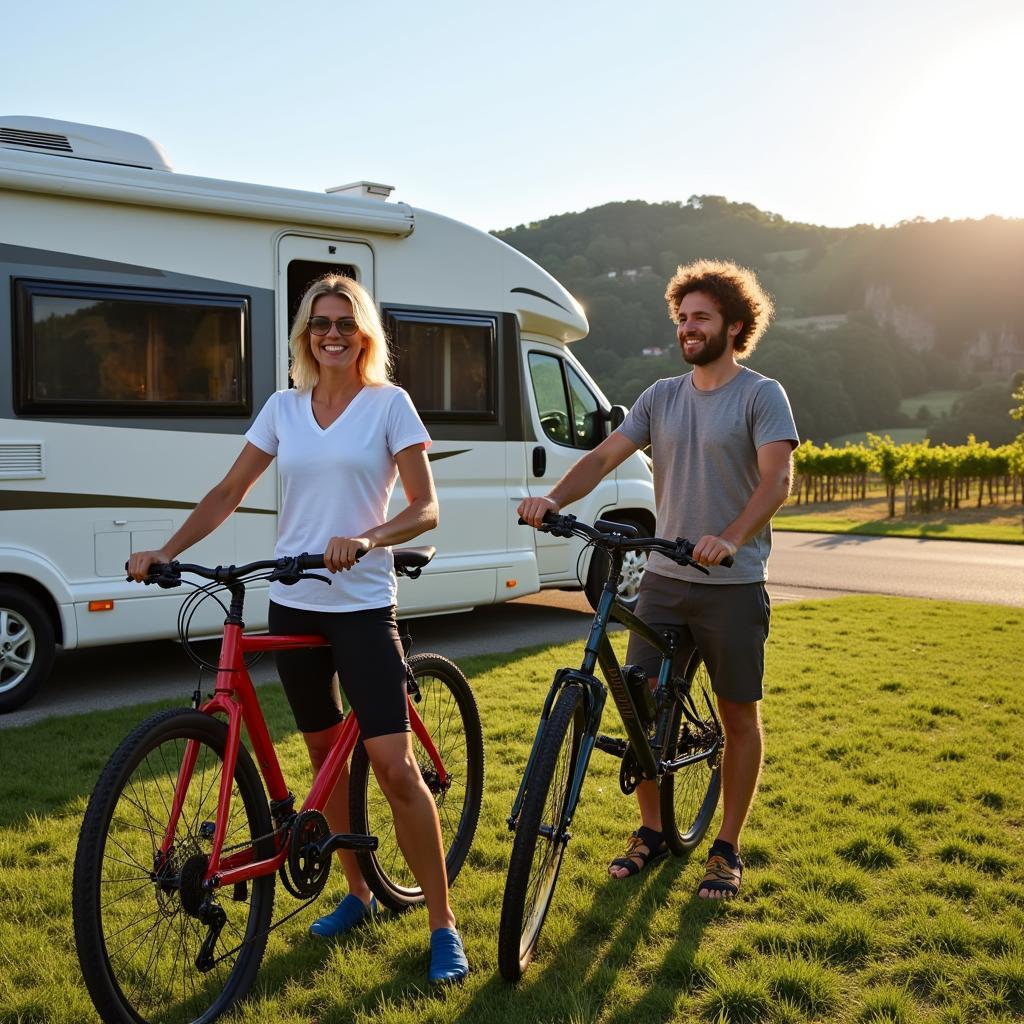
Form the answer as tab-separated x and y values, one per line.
938	403
1003	523
884	879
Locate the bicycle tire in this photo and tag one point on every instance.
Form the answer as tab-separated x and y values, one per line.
689	796
534	866
151	974
448	709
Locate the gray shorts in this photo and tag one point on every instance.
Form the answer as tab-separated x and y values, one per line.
727	623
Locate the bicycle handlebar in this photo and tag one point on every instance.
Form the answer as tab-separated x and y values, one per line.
287	570
608	534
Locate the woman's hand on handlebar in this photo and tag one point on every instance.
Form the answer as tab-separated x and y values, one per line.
711	550
343	552
140	561
533	510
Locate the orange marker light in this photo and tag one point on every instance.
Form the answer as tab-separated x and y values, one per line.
510	583
101	606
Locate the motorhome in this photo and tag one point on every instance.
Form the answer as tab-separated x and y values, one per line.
144	317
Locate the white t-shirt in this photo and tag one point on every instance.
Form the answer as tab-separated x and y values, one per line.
337	483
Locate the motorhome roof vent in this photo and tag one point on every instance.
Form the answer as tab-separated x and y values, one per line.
366	189
81	142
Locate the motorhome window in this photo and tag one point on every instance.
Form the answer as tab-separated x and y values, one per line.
552	404
586	413
447	365
88	349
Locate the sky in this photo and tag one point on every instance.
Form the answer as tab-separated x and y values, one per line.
500	114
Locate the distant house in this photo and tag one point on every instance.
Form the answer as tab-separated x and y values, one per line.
653	350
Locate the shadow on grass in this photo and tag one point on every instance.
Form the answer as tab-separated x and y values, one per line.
576	979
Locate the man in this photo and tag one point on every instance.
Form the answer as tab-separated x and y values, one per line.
721	439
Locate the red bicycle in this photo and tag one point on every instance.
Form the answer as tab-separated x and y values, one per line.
175	870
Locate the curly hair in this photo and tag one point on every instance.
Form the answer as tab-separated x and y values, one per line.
736	292
374	363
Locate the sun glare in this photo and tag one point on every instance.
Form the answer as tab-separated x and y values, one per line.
950	145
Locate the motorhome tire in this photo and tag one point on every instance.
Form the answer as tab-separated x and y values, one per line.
633	566
27	646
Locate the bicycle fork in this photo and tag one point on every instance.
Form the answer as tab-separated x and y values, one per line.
594	698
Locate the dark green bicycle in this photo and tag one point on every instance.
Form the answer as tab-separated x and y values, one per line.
673	736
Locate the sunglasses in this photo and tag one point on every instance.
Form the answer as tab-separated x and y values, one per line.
321	325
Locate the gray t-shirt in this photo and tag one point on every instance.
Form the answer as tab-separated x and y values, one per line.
704	448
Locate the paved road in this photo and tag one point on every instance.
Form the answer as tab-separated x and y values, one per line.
804	565
948	569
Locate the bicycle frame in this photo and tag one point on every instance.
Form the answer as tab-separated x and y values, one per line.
599	652
235	697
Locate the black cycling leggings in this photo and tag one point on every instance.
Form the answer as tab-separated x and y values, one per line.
367	654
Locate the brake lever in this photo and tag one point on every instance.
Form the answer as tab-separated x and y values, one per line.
289	579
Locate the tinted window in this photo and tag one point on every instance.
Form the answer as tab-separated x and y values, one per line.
447	364
85	349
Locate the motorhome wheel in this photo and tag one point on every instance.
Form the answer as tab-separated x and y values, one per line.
27	646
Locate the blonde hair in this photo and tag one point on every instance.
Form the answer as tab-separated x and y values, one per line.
374	364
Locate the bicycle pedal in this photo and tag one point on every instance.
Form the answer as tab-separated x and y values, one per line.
611	745
345	841
240	892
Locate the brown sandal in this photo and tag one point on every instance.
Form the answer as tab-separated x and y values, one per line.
644	845
721	876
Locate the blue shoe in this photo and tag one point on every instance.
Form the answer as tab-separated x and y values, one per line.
349	913
448	963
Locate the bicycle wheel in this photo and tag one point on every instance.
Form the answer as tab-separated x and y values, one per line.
689	796
448	709
137	943
539	843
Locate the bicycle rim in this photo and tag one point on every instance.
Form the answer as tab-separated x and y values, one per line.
689	795
137	943
539	846
448	710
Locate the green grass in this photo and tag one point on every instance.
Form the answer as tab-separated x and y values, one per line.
884	879
993	523
938	403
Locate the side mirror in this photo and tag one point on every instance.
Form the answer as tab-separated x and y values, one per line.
614	417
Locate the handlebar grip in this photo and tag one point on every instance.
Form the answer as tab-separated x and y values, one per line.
305	561
727	562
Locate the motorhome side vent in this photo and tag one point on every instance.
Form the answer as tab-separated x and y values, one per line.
21	460
36	140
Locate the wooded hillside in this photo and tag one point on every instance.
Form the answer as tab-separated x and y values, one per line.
866	317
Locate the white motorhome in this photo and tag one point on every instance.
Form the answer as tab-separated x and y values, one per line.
143	323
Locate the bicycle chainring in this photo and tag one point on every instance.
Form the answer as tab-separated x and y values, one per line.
304	873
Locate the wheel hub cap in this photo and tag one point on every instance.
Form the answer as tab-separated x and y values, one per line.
17	649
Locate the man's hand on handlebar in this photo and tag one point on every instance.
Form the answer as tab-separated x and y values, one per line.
712	550
343	552
533	510
140	561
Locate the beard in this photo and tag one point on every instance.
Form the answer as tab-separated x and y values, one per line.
713	347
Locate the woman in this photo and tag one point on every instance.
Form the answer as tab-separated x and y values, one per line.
340	437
